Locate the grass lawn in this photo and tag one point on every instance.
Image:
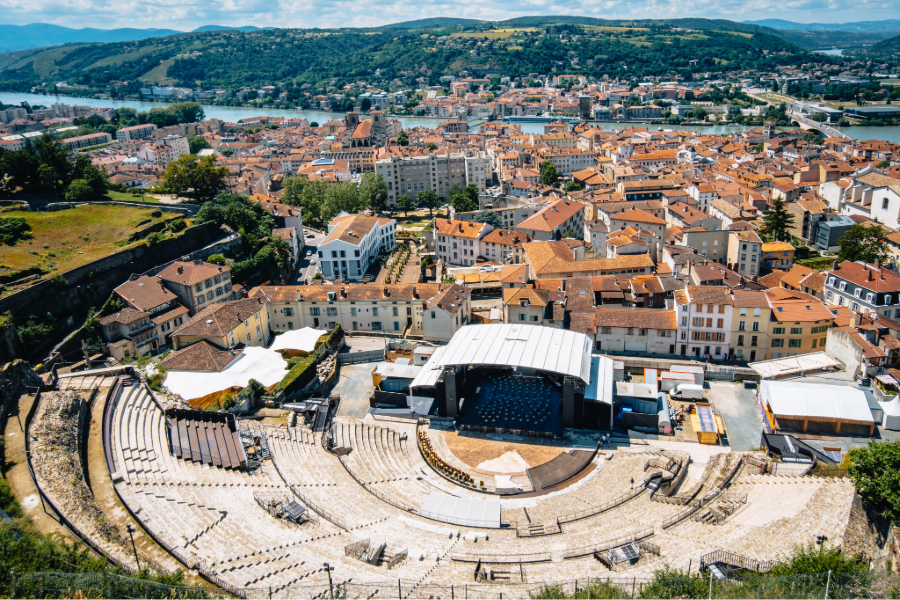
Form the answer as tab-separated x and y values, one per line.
127	197
67	239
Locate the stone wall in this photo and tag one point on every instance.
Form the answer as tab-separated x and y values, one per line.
91	285
185	209
15	377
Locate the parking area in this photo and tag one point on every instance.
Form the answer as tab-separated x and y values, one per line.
737	407
355	387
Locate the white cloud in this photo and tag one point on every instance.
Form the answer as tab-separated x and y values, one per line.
186	15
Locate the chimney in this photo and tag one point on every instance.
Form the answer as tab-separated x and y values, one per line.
385	289
415	292
180	269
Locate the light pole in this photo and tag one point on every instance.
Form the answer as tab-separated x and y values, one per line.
130	529
330	588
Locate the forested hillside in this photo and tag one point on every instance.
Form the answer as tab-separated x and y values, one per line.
233	59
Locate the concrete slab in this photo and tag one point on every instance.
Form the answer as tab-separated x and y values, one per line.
737	407
355	387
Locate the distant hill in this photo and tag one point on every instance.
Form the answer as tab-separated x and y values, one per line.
859	26
889	46
221	27
432	22
41	35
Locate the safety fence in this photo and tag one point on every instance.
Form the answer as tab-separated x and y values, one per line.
352	358
867	584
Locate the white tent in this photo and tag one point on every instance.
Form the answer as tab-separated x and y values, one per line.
264	365
891	418
303	340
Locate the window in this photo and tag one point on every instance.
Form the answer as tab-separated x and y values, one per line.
314	311
778	331
740	340
375	311
796	331
289	312
534	318
842	286
198	287
248	337
857	292
756	312
432	314
721	309
753	340
521	316
778	343
829	295
887	299
794	343
331	311
870	297
684	320
376	326
698	321
247	324
201	299
258	330
209	295
643	332
662	333
743	312
709	308
741	326
720	323
709	322
814	343
395	311
208	283
606	330
884	206
396	325
755	326
831	281
256	317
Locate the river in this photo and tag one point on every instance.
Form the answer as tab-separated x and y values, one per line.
233	113
831	52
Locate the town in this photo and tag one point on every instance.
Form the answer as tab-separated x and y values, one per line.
565	339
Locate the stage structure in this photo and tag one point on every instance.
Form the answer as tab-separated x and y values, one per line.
523	379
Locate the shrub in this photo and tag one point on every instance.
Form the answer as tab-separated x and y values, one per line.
216	259
13	230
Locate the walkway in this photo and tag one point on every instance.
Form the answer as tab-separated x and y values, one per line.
19	478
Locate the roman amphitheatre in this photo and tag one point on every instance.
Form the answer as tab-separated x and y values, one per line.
426	508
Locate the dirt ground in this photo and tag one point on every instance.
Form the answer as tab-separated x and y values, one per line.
16	473
475	449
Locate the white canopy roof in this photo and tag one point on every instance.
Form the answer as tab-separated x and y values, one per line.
526	346
600	387
262	364
303	340
389	369
793	399
793	365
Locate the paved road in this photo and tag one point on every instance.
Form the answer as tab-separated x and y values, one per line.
305	268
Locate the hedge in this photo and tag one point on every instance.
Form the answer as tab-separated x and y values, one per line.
302	373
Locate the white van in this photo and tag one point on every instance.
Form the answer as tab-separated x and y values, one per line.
687	391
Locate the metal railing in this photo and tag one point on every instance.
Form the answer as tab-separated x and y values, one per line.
596	510
609	544
735	560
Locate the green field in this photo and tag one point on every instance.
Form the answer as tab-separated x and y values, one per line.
158	74
67	239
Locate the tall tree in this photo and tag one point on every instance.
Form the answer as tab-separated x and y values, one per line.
405	204
778	221
402	138
489	217
373	192
200	175
863	243
548	173
875	471
428	199
461	198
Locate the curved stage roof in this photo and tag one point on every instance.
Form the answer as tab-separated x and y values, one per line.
511	345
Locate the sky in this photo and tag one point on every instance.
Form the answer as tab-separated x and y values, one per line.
185	15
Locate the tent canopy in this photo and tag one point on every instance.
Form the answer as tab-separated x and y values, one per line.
264	365
303	340
809	400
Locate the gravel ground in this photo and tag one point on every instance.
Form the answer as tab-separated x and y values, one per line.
355	387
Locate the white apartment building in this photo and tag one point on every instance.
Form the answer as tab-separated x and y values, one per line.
12	113
413	174
433	310
704	321
85	141
353	243
871	195
458	243
164	151
135	132
703	193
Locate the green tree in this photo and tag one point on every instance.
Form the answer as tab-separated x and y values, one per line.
778	221
812	138
341	197
13	230
366	104
883	164
490	217
548	173
863	243
402	138
199	176
819	117
759	148
875	471
405	204
186	112
428	199
196	143
373	192
463	199
240	213
573	186
96	177
431	146
79	191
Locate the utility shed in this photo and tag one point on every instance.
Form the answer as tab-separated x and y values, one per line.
816	408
